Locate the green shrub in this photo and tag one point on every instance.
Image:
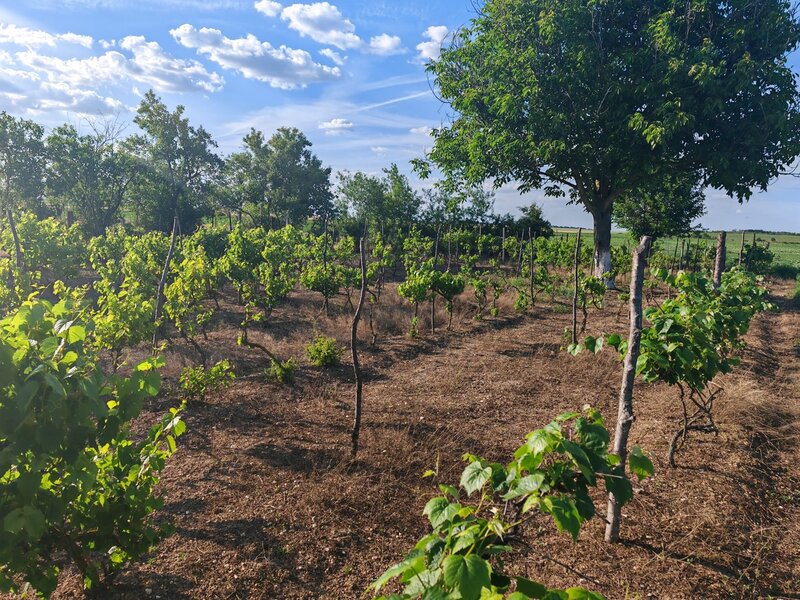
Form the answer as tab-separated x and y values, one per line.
784	271
74	480
197	382
323	352
797	291
282	371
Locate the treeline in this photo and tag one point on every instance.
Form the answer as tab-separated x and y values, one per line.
171	168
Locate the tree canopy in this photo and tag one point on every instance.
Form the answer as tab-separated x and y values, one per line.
594	99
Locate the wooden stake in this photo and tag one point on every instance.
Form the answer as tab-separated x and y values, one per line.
625	414
719	261
163	281
575	293
354	350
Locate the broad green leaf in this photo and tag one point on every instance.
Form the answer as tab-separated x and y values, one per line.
531	589
475	477
564	513
399	569
640	465
526	485
467	574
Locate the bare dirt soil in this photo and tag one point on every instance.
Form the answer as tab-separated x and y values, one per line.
267	503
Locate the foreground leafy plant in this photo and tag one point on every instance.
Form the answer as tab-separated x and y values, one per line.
552	472
73	480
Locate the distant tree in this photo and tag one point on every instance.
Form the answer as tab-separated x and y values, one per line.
661	210
22	164
388	204
533	220
90	174
595	99
296	185
179	165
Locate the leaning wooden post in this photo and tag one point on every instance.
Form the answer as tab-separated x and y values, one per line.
625	414
530	263
719	260
741	250
750	253
163	281
17	247
354	350
435	262
575	293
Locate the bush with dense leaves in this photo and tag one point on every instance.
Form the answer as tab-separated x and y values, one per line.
75	481
323	352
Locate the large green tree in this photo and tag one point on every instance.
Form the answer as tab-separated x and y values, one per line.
179	165
22	163
297	186
595	99
89	174
388	204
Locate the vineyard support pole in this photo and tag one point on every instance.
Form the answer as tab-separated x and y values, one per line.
750	253
530	266
354	349
435	262
163	281
17	248
625	414
719	260
741	251
575	292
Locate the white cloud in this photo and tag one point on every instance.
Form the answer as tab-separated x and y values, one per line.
379	149
336	126
430	50
385	45
82	40
59	97
323	23
106	44
424	130
149	65
268	8
35	38
154	67
282	67
34	82
333	55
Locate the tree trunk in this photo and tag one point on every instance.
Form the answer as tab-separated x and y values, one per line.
625	414
17	247
354	350
575	291
719	261
162	282
602	245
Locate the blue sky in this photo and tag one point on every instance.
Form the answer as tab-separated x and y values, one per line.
349	74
